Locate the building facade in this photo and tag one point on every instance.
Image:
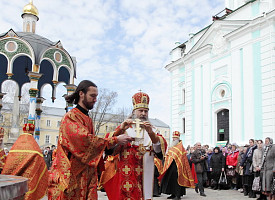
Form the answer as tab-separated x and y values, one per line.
223	77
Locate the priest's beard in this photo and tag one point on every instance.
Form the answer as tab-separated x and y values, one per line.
88	105
143	118
175	142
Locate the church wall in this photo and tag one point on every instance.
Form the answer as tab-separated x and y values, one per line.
206	112
220	78
237	111
190	137
266	45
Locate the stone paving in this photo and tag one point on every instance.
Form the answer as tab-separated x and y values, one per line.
191	194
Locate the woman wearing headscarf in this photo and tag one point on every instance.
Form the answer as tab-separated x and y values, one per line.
268	167
231	163
217	163
257	162
248	175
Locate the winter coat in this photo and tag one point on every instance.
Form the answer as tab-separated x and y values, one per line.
257	159
268	169
247	160
200	165
217	162
232	158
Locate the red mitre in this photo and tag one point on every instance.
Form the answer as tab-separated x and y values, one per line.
176	134
2	131
140	100
28	128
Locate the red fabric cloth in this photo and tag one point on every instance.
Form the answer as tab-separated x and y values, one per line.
74	171
25	159
126	182
194	174
177	153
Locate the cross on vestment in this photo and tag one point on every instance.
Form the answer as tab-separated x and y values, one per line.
127	186
138	170
126	169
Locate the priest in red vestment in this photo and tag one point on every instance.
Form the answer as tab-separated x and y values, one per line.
176	174
2	152
129	171
73	175
25	159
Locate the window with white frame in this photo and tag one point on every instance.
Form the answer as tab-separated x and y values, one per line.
25	120
58	123
47	139
183	125
183	96
48	122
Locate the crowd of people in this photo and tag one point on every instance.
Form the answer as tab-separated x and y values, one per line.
250	169
49	153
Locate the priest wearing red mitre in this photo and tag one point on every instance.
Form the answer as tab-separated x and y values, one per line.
129	171
25	159
176	174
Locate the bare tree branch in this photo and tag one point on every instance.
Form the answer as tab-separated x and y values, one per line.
105	102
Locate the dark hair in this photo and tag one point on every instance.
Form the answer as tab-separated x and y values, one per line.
252	140
82	86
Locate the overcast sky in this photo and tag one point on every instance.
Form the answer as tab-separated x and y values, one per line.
121	45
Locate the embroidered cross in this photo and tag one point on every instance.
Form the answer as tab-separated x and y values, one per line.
138	170
127	186
126	169
125	153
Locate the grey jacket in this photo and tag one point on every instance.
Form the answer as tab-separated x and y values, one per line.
200	165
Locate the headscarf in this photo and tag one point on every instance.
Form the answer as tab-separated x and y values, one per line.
266	150
231	153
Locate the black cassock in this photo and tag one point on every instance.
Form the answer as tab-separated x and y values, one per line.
169	183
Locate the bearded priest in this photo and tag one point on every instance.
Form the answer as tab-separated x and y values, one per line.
176	174
129	171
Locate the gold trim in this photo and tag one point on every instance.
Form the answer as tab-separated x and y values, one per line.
44	170
181	163
27	151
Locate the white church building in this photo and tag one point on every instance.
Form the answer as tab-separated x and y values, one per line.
223	77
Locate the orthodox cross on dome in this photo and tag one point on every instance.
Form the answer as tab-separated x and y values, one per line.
139	90
31	1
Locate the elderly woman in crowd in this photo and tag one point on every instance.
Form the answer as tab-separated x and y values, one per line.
231	162
257	162
268	168
239	170
246	164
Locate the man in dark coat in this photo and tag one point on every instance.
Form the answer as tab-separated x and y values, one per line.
199	158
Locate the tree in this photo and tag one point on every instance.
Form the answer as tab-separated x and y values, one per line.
105	102
11	103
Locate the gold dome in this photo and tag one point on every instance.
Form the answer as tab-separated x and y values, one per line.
30	9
